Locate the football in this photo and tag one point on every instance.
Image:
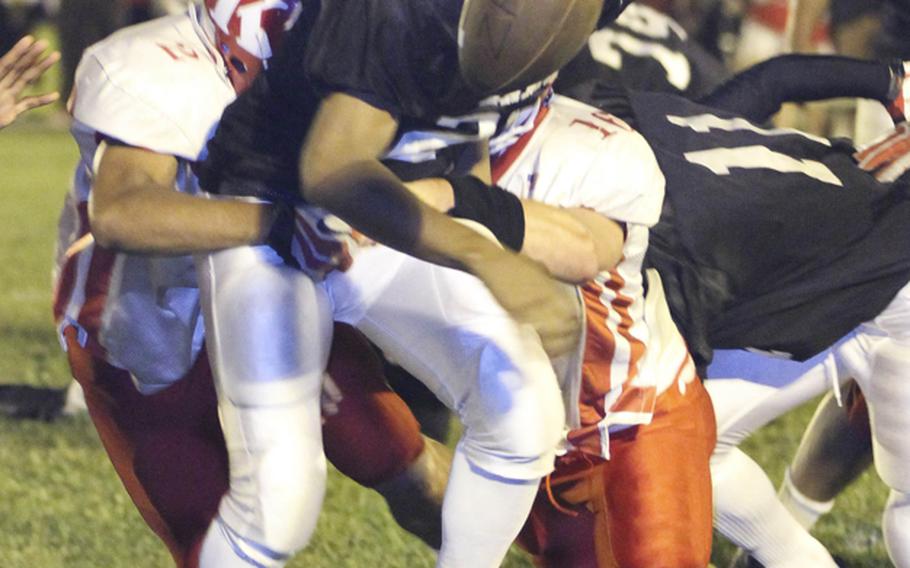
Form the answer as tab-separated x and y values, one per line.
507	44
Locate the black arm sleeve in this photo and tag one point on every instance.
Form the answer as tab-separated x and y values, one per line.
758	92
492	207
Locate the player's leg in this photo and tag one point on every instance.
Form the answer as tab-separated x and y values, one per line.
371	436
567	524
895	521
444	327
753	518
649	505
658	484
268	330
834	450
747	510
415	495
888	397
881	370
167	448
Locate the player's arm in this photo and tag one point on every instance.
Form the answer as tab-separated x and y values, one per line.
21	66
758	92
134	207
575	244
607	236
340	171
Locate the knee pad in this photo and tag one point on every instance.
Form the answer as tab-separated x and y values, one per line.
896	528
514	418
278	476
266	325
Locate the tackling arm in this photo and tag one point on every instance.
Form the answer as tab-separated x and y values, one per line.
135	208
340	170
575	244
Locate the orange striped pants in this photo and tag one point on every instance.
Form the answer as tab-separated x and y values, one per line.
649	506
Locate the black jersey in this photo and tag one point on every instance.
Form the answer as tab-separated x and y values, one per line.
400	56
646	50
770	238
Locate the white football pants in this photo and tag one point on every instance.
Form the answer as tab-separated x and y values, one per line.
269	329
877	355
268	333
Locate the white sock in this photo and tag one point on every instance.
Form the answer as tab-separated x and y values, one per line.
481	516
896	528
748	513
222	548
804	509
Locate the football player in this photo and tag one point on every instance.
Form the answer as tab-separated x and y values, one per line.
867	355
640	420
672	122
632	395
132	321
562	535
331	102
760	523
645	50
295	419
870	80
744	286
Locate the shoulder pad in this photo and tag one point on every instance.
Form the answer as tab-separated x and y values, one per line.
589	158
158	86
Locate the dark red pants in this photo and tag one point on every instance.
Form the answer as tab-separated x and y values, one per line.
169	451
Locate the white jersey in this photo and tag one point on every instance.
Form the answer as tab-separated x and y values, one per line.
579	156
159	86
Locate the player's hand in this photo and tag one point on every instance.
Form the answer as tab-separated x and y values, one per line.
527	291
322	242
885	158
24	64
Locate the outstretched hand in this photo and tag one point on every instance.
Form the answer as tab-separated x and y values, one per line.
24	64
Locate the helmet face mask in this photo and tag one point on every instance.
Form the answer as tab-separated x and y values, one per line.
247	32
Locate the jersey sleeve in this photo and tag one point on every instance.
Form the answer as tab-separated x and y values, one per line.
126	88
592	160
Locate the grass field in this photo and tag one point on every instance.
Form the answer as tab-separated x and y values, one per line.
61	505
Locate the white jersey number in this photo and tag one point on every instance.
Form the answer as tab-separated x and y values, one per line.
608	45
721	160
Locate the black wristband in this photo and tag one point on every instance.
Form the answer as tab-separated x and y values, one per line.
492	207
281	233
